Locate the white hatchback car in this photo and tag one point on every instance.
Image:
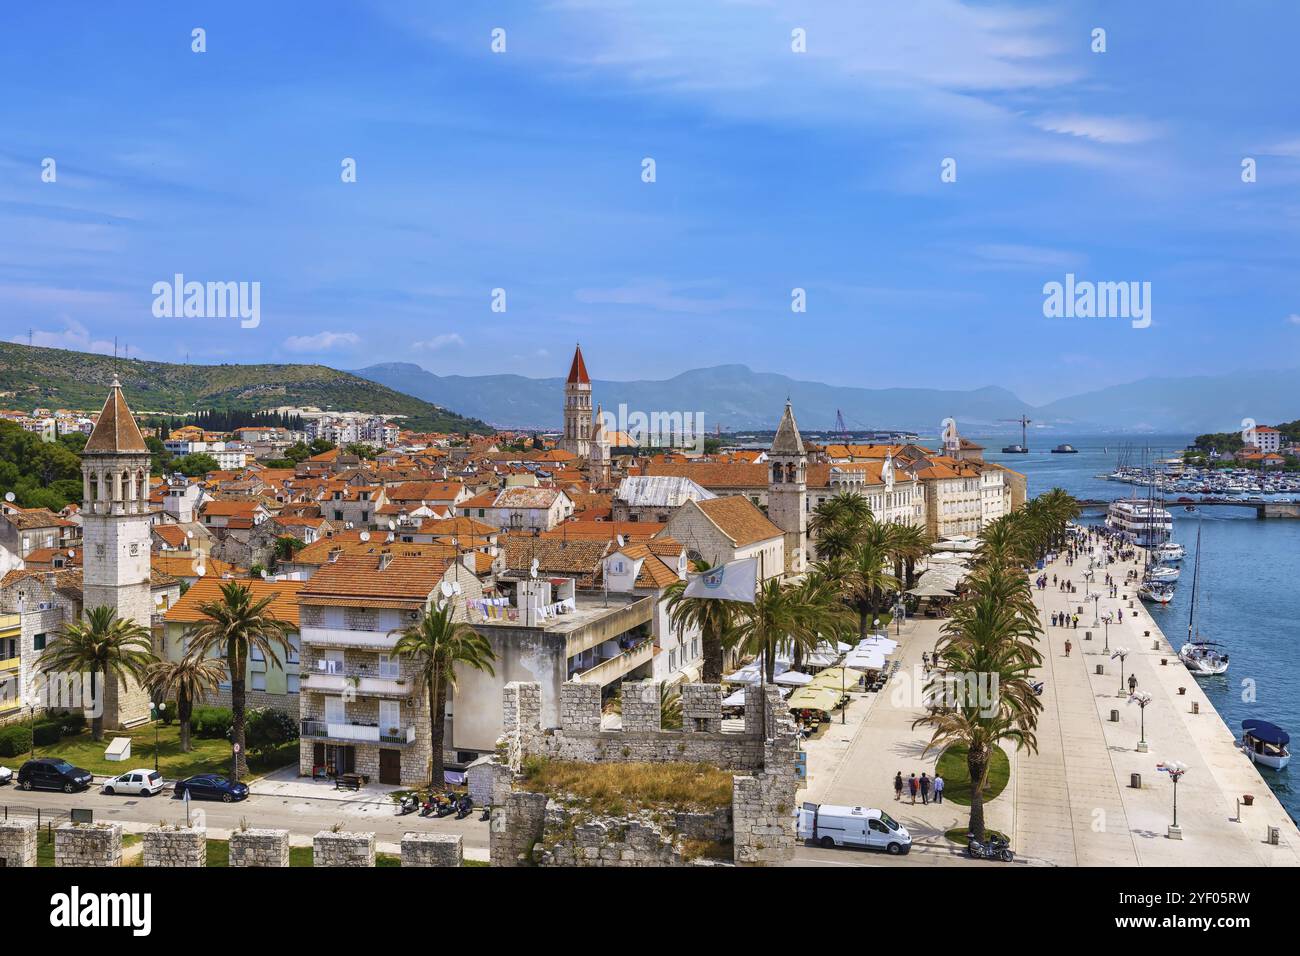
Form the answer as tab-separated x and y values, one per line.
144	782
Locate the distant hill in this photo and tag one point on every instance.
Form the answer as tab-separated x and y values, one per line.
58	378
739	398
733	395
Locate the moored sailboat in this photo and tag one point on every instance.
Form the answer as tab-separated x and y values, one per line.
1203	658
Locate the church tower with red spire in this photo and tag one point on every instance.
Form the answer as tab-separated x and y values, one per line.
577	408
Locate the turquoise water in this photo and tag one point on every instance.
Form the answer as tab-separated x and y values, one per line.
1249	570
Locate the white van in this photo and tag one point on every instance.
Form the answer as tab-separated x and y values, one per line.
852	826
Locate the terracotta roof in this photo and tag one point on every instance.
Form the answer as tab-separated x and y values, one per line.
713	474
172	534
186	566
578	370
580	557
230	508
283	606
384	576
739	519
26	519
426	491
116	431
527	498
594	530
654	572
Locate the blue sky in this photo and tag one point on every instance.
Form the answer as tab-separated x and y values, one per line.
775	170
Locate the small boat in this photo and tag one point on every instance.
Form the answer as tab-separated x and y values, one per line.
1159	593
1162	574
1265	743
1169	553
1015	450
1203	658
1065	450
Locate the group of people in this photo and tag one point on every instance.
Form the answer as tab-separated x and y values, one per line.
925	785
1063	619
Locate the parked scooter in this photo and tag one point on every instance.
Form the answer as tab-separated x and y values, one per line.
409	804
429	806
994	848
464	807
487	813
446	804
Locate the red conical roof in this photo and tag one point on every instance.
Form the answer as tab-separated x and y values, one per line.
578	370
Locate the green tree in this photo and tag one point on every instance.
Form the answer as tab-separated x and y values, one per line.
713	619
186	681
233	627
106	647
435	645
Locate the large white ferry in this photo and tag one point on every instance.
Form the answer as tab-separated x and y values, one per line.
1146	524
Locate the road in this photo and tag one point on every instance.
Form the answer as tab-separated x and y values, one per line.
303	817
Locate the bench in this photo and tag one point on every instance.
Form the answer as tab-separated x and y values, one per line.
118	749
347	781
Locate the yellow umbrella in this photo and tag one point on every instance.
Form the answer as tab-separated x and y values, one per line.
813	698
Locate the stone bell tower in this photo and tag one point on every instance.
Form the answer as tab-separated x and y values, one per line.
115	516
577	408
787	491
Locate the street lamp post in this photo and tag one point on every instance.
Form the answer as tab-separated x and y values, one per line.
1175	769
1121	653
1106	620
158	710
1096	609
1142	699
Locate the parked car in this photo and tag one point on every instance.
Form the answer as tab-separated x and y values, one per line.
211	786
144	782
5	775
53	773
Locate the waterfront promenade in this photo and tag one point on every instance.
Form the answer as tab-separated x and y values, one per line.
1071	803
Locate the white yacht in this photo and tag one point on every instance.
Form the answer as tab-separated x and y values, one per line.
1265	743
1159	593
1203	658
1169	553
1146	524
1162	574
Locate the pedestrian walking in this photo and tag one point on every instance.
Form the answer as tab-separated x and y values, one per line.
1132	684
925	788
938	787
898	786
912	787
1068	645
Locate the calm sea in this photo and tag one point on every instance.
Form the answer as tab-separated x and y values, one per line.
1249	569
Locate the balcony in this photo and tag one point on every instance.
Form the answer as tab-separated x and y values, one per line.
344	638
10	664
358	733
365	683
610	670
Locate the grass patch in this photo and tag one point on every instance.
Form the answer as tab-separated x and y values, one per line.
613	788
707	849
952	767
208	756
958	835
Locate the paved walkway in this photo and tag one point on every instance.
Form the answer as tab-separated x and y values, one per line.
1074	801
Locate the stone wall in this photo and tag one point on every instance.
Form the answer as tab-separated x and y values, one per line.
489	780
260	848
343	849
18	843
516	826
88	844
432	849
759	825
175	846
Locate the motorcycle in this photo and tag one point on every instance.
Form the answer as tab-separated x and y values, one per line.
994	848
487	813
428	807
409	804
464	807
446	804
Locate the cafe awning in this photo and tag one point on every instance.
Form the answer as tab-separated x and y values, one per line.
814	698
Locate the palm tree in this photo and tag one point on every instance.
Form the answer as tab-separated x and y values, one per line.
712	618
435	644
835	522
108	647
908	544
235	626
866	580
990	635
189	679
782	615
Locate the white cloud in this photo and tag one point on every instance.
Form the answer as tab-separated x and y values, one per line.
1100	129
1294	318
321	341
74	336
439	342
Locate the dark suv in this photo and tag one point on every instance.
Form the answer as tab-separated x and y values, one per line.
52	773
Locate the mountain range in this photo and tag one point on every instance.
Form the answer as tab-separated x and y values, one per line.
32	376
738	398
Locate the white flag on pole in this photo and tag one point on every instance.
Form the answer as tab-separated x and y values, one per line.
733	581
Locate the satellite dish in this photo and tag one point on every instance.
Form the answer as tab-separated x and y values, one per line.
446	589
72	552
189	534
266	575
391	537
364	536
9	496
532	569
455	587
200	570
391	524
